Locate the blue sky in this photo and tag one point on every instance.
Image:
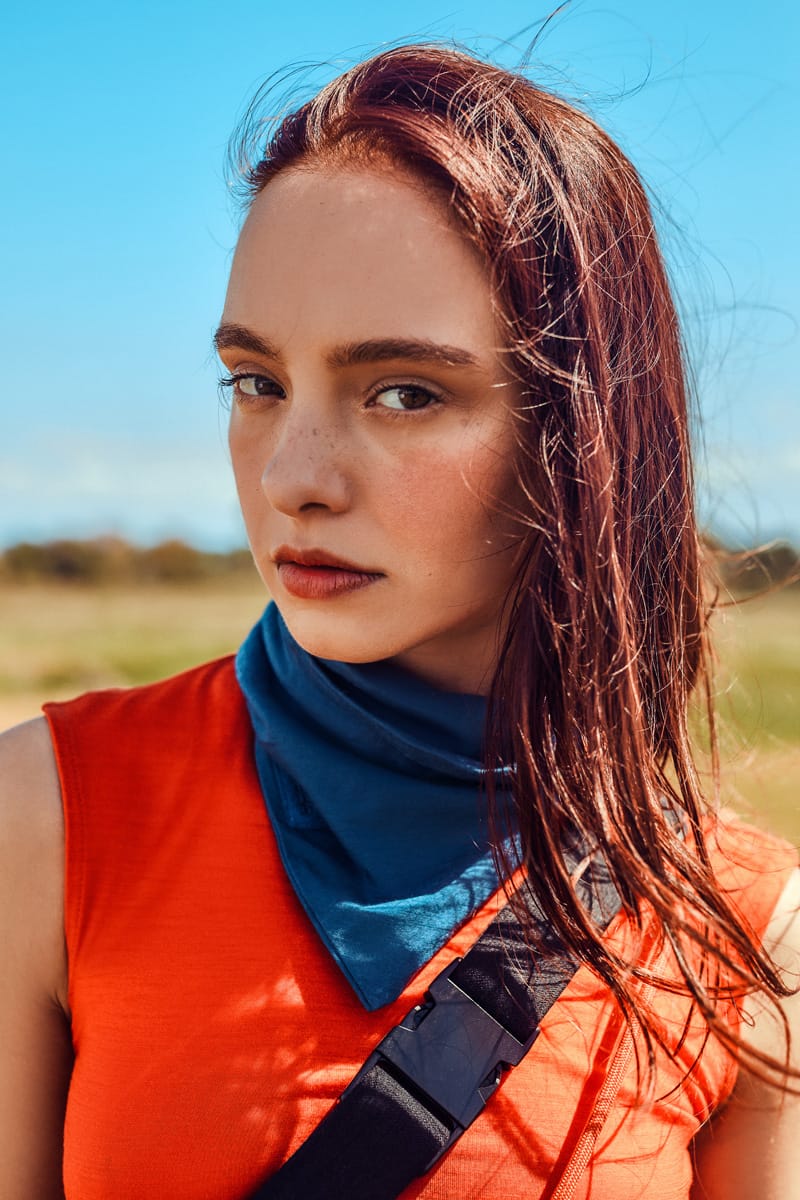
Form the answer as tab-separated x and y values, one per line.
116	231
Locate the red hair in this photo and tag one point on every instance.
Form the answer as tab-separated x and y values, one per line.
606	627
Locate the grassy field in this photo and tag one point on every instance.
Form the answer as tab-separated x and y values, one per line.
58	641
758	705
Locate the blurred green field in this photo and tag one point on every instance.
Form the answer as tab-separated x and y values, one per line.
58	640
758	706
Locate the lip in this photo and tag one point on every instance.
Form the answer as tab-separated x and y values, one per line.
318	575
317	558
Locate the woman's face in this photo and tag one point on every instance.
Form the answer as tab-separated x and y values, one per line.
371	424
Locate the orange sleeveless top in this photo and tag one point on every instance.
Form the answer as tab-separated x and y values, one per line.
212	1030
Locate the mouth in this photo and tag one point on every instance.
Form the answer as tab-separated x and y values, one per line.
318	575
318	558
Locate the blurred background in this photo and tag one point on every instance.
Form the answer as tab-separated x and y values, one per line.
117	224
117	227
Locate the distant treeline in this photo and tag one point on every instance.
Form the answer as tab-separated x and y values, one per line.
764	568
110	560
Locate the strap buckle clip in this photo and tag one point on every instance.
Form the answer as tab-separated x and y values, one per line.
449	1053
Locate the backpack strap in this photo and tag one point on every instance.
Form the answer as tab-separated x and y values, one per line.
432	1074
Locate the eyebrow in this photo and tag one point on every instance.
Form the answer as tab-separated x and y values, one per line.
353	353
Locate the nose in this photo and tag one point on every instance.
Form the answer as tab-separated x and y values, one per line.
306	468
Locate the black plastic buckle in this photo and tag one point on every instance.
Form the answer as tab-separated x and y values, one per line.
451	1052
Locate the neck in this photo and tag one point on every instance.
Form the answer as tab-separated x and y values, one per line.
464	665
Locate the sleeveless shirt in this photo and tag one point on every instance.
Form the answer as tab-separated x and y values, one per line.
212	1030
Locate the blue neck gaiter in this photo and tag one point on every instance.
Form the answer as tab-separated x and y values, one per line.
371	779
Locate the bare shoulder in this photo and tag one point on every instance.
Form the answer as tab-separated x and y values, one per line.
34	1027
783	933
32	844
32	861
752	1147
30	798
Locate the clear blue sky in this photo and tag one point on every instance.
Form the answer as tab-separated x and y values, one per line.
116	231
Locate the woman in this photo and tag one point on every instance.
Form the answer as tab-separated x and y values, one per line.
459	433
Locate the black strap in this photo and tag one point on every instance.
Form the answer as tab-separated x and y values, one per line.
431	1076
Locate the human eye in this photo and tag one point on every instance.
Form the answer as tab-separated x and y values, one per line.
404	397
247	388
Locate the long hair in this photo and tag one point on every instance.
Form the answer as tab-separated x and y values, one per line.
605	629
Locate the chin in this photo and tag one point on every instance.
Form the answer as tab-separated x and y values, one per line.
341	640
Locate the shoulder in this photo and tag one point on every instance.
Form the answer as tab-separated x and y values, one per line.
782	942
32	857
751	866
201	686
26	749
30	798
97	734
36	1061
783	932
751	1147
142	772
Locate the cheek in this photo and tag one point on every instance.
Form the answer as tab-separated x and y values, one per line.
439	505
247	459
237	445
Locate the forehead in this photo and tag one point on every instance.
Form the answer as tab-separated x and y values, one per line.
347	252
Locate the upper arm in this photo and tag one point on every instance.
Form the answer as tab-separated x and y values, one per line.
752	1148
36	1054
